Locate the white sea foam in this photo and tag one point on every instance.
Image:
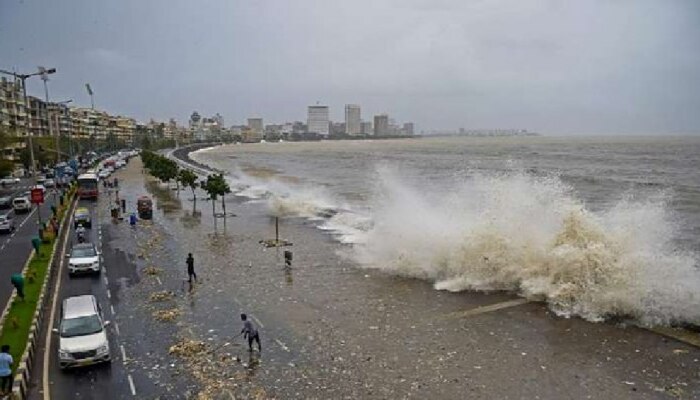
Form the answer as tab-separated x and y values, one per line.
531	235
510	231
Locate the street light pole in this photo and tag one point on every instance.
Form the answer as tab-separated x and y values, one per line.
23	78
31	144
45	78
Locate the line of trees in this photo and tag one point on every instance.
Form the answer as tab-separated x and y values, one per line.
166	170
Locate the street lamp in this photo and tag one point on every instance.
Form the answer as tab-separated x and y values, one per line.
23	78
45	77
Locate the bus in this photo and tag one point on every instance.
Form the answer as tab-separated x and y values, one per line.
88	186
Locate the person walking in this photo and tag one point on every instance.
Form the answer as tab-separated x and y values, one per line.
17	281
190	268
249	332
5	370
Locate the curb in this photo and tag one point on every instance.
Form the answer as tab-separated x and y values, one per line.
20	385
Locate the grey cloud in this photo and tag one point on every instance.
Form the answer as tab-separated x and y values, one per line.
558	67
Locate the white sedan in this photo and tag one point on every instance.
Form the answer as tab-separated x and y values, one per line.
9	181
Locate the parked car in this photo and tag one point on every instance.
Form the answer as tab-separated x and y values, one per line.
5	202
7	223
83	334
21	205
83	257
82	217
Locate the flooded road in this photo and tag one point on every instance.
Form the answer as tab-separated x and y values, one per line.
332	330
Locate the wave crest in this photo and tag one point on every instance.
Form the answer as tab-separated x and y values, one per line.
530	235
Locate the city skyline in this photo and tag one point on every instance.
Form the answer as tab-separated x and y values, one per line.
444	65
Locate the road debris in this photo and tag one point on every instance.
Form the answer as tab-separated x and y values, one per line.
152	270
163	295
167	315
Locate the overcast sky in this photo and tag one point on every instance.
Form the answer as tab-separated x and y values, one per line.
556	67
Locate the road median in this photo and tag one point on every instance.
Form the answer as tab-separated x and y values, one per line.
21	321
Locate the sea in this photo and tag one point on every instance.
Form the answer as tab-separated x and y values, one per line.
596	227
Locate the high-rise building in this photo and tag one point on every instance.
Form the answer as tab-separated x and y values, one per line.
408	128
353	121
255	130
381	125
13	111
317	121
256	125
38	117
13	116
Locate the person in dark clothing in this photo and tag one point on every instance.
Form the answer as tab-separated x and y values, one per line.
249	332
190	268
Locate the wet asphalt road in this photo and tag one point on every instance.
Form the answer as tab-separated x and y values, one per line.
137	343
331	330
16	246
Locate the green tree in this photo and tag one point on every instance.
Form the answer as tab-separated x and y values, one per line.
222	189
168	169
40	156
216	186
189	179
209	186
6	167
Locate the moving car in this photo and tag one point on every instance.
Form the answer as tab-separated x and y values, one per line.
7	223
21	205
5	202
40	180
83	337
82	217
83	257
8	181
50	183
104	174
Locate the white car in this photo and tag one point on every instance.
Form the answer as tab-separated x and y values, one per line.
104	174
50	183
7	224
83	337
83	257
9	181
21	205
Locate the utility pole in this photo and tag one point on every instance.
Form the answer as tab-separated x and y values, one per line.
45	78
92	106
23	78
